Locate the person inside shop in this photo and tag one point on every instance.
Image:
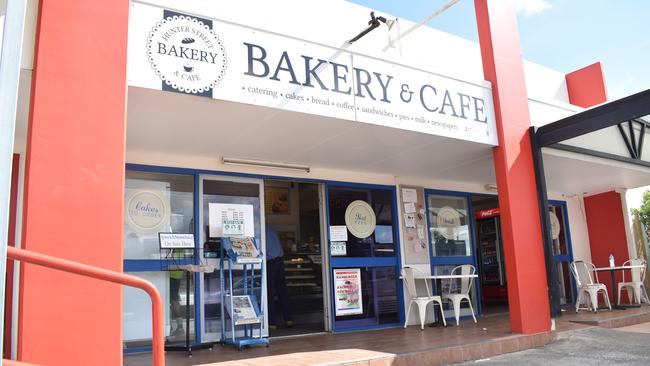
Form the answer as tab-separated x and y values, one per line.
175	278
275	280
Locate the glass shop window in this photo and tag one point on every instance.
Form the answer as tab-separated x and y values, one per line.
449	225
153	203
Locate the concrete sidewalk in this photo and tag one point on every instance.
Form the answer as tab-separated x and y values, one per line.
592	346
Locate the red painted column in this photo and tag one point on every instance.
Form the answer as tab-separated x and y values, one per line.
513	162
586	87
606	228
74	187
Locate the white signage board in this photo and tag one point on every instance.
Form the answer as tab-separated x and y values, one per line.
176	241
210	58
347	291
221	215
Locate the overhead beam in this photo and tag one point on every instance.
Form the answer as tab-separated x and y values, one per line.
602	116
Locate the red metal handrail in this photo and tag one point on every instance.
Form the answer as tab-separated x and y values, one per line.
105	275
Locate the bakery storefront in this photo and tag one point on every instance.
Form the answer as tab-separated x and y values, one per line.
310	143
340	151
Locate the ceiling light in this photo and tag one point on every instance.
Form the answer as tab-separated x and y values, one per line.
490	187
265	164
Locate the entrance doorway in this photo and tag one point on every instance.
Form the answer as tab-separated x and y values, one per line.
245	192
490	257
294	258
562	251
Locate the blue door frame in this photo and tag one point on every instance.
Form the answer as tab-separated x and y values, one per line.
155	265
456	260
569	256
473	259
137	265
352	262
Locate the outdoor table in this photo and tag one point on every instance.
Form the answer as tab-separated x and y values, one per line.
438	279
614	285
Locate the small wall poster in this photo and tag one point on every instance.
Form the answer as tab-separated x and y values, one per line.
338	233
338	248
409	195
229	219
276	201
347	292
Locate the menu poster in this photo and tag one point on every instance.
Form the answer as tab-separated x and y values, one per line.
243	311
347	292
229	219
244	247
409	195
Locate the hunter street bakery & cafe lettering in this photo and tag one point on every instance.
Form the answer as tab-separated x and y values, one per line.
307	71
190	54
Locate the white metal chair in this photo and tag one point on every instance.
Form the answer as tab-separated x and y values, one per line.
636	286
459	289
408	274
582	272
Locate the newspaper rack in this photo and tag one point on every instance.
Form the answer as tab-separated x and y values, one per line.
241	316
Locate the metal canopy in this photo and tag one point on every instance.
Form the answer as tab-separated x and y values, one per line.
605	115
617	112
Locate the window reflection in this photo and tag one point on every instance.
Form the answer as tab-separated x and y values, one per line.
449	226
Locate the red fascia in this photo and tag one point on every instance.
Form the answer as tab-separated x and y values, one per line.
586	87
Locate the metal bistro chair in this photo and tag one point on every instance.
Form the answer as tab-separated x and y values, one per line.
422	302
456	294
636	286
582	272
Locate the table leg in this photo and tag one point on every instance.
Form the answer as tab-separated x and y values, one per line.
438	321
615	292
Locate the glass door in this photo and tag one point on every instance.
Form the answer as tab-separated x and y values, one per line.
363	254
233	191
562	251
451	236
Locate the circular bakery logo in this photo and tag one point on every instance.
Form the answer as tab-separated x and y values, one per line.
186	54
360	219
147	211
448	221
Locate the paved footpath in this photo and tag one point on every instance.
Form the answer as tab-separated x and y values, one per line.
591	346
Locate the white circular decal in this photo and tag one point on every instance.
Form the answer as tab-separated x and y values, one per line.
186	54
147	211
360	219
555	225
448	221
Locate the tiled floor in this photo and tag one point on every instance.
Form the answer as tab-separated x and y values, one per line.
398	346
374	347
603	318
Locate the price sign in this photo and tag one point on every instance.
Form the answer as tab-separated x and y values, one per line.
233	227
